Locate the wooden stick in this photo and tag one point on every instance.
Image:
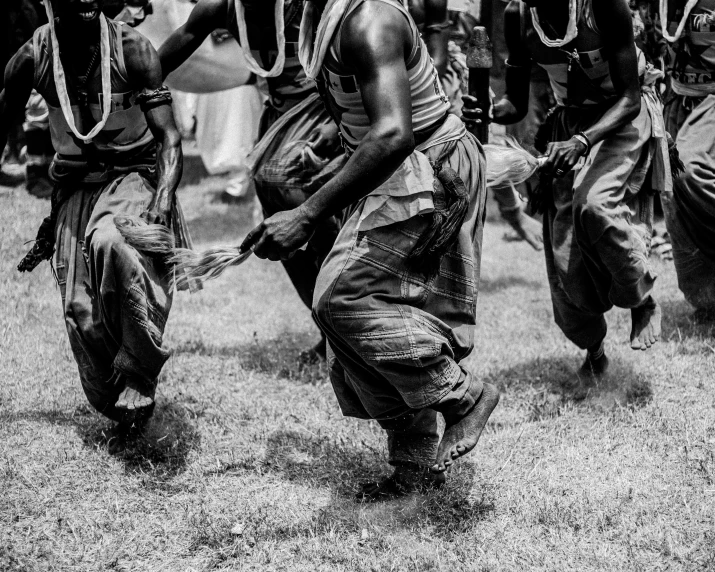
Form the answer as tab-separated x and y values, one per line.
479	61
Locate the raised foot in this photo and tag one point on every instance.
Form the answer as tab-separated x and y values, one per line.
136	397
527	229
402	482
462	436
314	355
646	325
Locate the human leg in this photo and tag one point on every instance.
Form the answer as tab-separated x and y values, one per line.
133	294
398	333
283	181
91	343
613	220
695	271
116	301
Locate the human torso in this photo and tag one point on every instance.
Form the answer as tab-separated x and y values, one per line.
125	137
429	102
594	85
692	58
292	85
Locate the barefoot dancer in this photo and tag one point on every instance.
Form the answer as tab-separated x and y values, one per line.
603	137
396	296
118	152
690	119
433	20
293	115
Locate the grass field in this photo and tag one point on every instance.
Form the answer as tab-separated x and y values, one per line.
249	465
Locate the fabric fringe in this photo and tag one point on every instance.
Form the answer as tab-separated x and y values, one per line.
450	210
206	265
677	167
189	268
509	164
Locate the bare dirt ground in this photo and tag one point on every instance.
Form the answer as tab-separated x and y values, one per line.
249	465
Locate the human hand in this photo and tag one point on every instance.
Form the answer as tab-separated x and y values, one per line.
158	211
280	235
325	139
472	114
562	156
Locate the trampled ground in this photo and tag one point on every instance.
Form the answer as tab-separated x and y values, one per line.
245	440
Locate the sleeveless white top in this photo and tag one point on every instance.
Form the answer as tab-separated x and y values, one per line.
126	135
429	102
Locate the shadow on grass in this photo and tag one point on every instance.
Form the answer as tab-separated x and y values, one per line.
558	384
488	286
682	321
344	465
159	453
280	356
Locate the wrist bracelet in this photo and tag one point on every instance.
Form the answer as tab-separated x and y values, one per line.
581	136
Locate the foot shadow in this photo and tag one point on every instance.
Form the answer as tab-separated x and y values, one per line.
341	466
681	321
280	356
505	282
547	386
157	454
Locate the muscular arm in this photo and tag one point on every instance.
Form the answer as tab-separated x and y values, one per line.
375	39
19	77
144	72
206	16
615	17
514	106
436	33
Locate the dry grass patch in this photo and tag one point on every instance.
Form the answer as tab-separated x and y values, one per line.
248	464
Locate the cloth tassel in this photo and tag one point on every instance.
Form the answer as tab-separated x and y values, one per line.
189	267
206	265
677	167
43	247
451	208
509	164
144	237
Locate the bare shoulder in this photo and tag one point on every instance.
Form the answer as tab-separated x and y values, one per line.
21	67
374	28
141	59
612	15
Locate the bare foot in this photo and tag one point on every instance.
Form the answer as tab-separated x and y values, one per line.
646	325
314	355
135	397
400	483
527	228
461	437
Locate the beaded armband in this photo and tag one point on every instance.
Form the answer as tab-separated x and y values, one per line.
151	99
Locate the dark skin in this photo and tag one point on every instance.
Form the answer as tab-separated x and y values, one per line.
562	156
611	15
78	38
376	40
432	15
207	16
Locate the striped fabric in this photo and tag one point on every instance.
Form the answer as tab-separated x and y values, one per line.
693	56
429	102
292	84
126	133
